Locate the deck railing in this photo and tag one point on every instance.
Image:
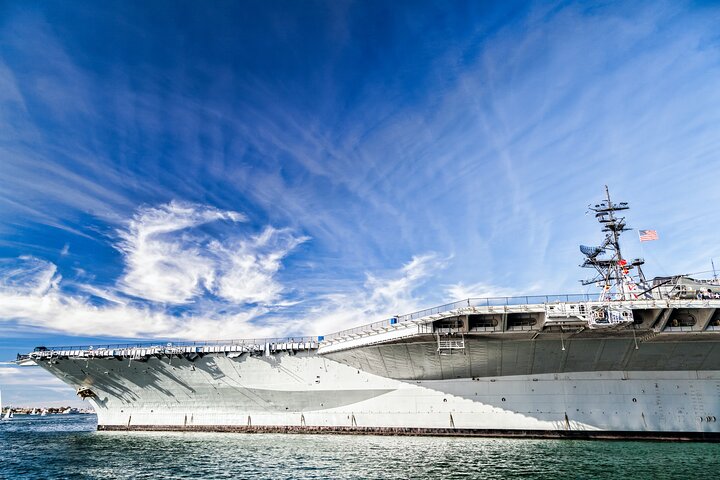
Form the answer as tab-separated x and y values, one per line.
166	343
469	302
498	302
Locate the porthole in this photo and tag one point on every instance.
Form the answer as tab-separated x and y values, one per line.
445	400
634	400
503	399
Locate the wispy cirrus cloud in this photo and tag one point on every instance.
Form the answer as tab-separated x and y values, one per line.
380	296
170	263
39	301
461	291
28	275
161	263
248	266
33	297
169	260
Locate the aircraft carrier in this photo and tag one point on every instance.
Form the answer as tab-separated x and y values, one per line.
638	360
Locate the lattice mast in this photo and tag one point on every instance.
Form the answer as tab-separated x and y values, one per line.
612	270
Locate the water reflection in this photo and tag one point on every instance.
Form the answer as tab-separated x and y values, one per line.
69	447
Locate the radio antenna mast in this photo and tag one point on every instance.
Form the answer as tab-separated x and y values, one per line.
612	270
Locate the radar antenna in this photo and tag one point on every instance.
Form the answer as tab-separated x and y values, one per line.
613	272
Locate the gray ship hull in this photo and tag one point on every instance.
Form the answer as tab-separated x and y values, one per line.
307	392
537	370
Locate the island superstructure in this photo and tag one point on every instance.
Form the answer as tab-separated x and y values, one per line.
640	359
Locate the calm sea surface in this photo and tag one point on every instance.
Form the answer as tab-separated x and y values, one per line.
67	446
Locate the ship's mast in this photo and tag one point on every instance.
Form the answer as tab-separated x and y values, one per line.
612	270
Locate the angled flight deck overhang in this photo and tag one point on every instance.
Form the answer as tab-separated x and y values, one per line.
518	317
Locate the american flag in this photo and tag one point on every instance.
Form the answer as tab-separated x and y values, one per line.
647	235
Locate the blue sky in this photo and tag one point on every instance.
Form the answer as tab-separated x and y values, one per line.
242	169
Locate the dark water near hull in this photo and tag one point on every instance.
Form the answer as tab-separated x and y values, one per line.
68	446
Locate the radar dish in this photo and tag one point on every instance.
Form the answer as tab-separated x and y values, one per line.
591	252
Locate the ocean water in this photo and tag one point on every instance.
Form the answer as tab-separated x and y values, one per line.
67	446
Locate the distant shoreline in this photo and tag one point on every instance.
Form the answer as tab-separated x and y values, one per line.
37	411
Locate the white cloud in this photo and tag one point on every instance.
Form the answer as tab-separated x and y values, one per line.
32	296
163	264
460	291
397	292
250	265
27	275
380	297
38	301
53	309
168	260
14	375
108	295
35	387
231	277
